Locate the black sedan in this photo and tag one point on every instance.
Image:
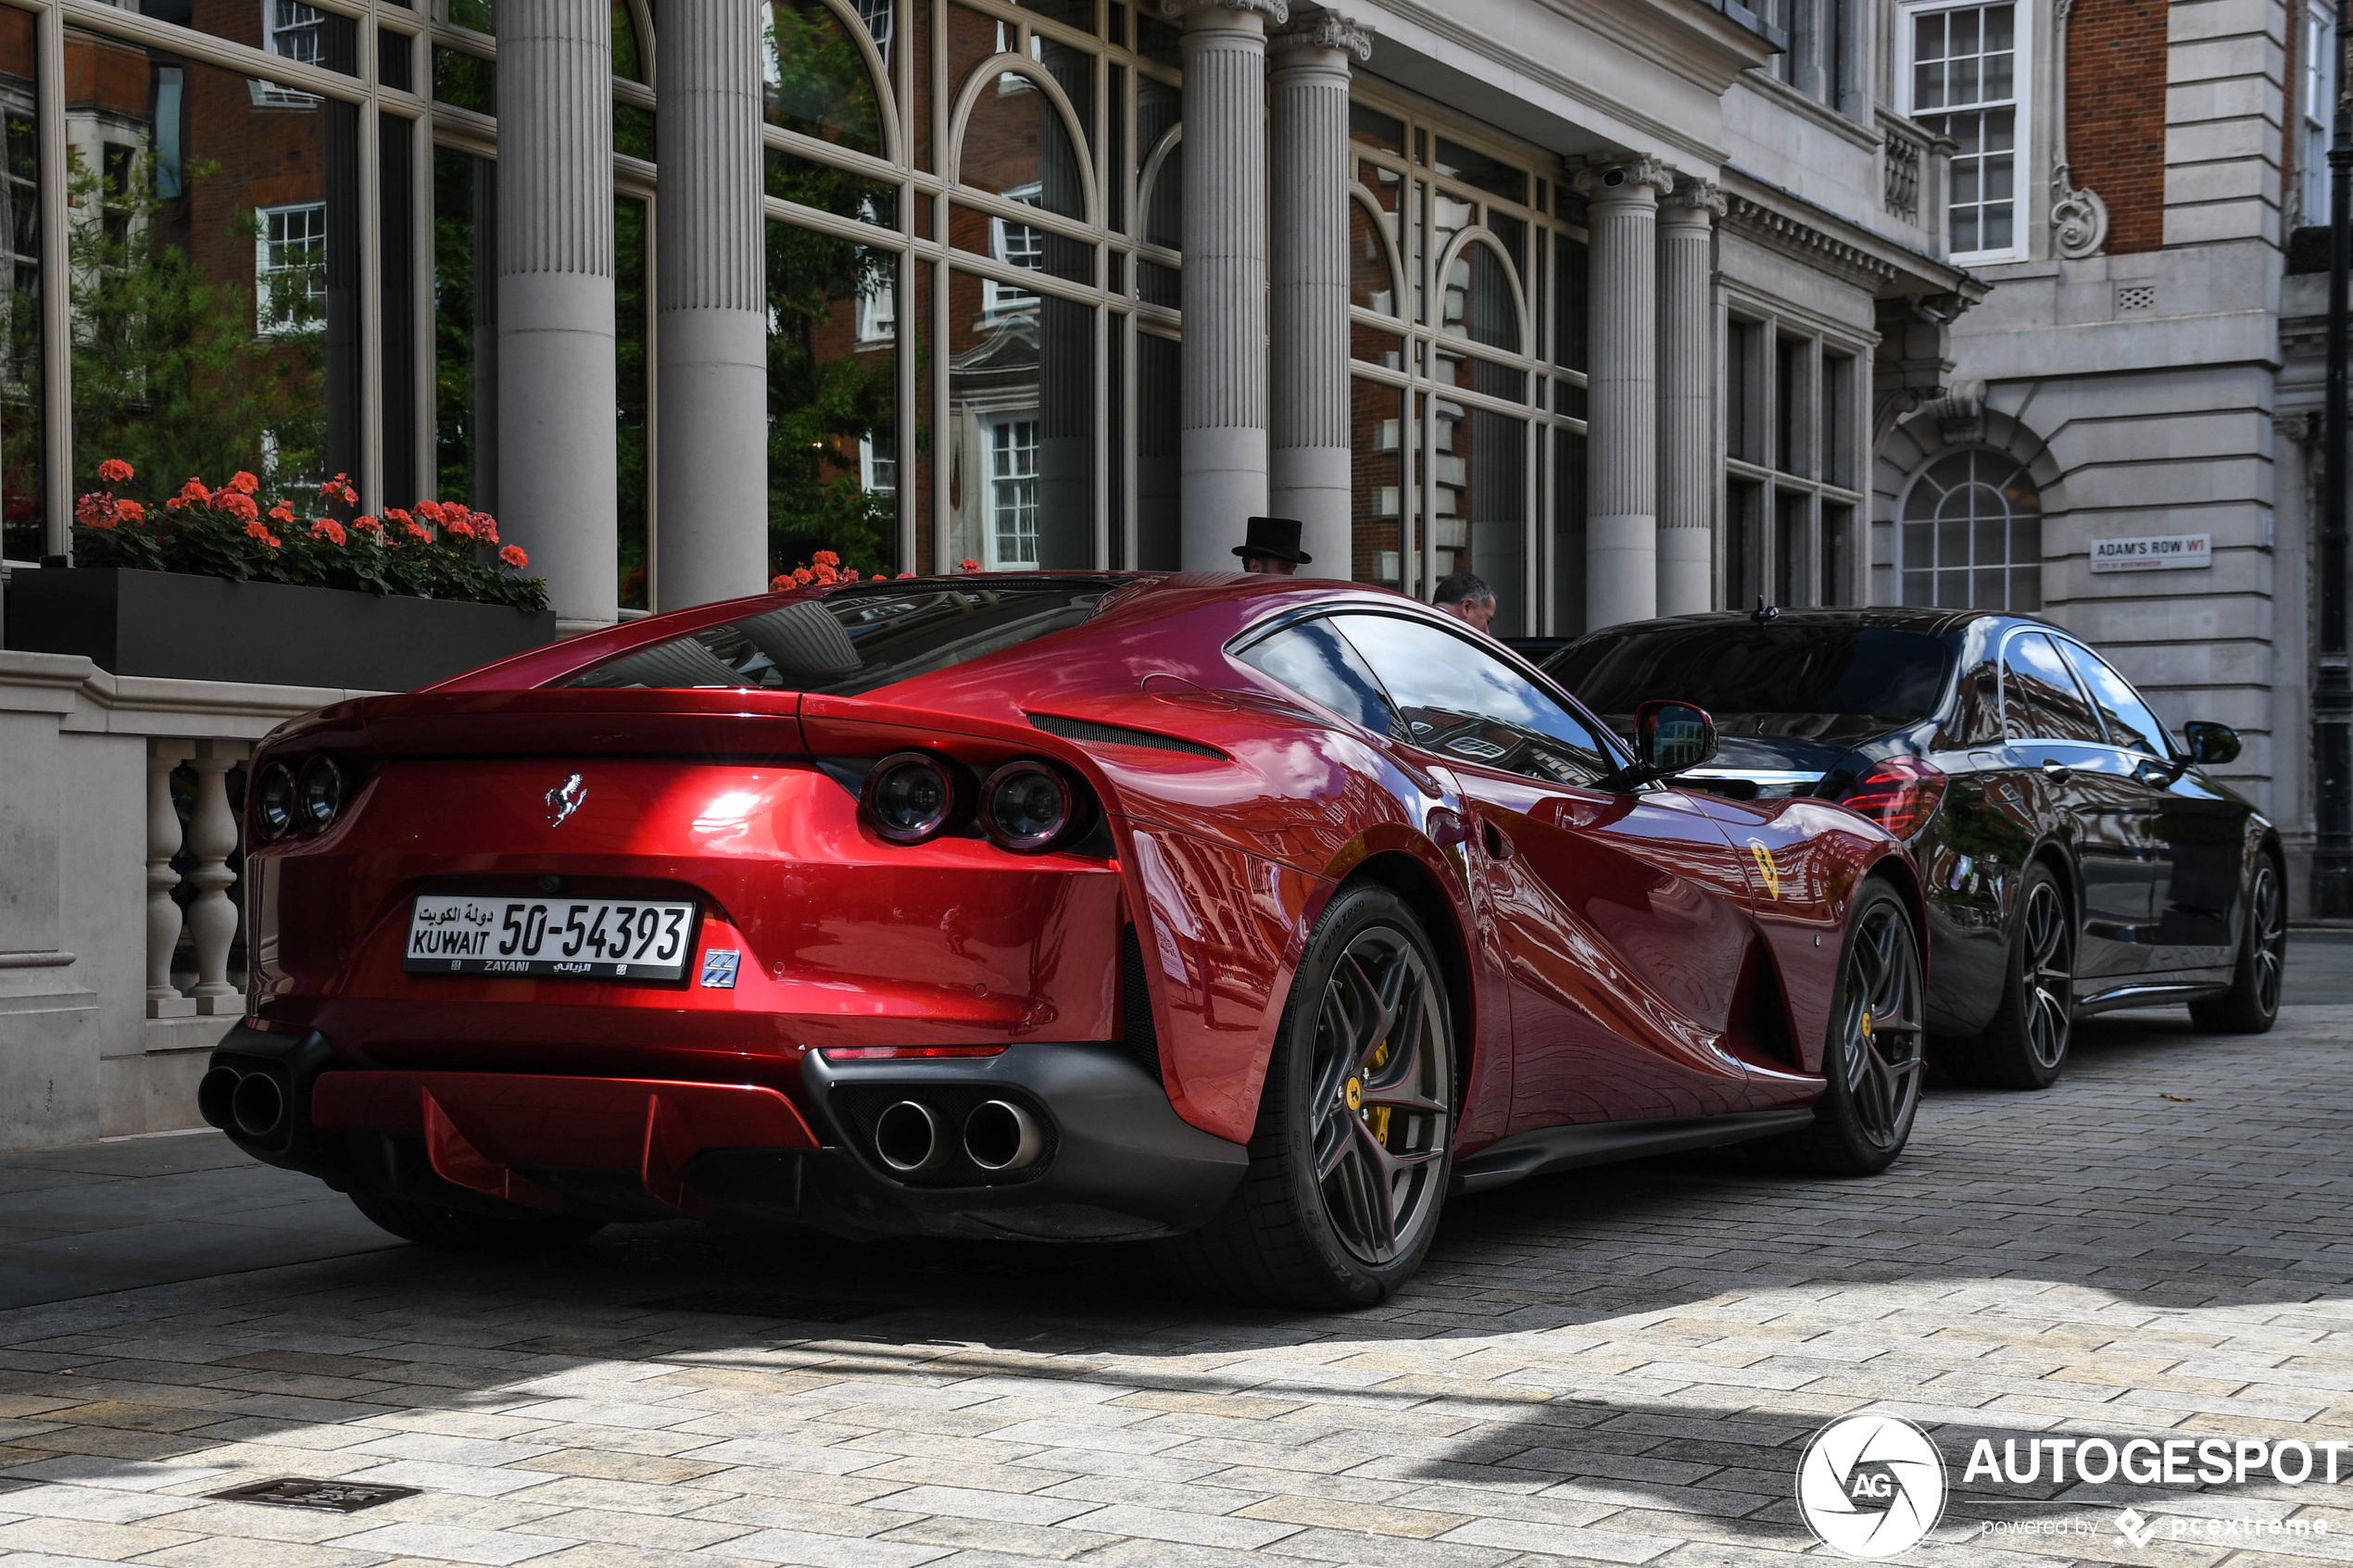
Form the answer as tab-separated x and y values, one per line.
2078	855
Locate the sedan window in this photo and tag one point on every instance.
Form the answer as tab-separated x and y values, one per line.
2040	699
1457	699
1315	661
2129	722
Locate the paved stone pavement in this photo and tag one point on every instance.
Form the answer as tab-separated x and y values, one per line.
1610	1366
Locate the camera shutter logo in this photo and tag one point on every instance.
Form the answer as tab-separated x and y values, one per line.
1870	1486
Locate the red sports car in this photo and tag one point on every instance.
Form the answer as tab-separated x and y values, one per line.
1257	912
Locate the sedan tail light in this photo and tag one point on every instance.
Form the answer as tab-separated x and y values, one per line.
1899	794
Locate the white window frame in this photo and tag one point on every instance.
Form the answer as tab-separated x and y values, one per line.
265	267
2028	176
1001	299
877	468
2316	71
268	95
997	558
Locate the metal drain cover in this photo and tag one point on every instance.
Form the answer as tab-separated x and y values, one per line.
327	1496
759	1304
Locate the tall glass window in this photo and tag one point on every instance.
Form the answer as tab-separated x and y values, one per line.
1792	425
2316	49
1965	65
22	492
1467	304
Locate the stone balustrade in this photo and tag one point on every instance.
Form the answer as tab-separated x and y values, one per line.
119	798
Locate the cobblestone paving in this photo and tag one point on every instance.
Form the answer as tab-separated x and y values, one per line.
1617	1366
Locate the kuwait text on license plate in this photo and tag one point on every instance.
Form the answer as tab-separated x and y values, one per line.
597	938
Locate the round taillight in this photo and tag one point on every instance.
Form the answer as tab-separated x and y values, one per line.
912	796
320	794
273	803
1026	806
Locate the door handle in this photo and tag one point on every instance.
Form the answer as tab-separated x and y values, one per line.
2057	770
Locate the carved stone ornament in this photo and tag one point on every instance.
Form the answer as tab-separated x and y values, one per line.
1605	177
1327	30
1276	11
2079	219
1704	194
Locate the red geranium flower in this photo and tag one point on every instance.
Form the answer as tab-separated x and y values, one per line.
430	510
257	529
236	503
243	483
328	529
283	512
461	527
194	491
779	584
114	470
366	525
486	528
968	564
94	512
512	555
130	511
417	531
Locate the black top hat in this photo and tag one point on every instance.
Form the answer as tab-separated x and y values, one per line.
1276	536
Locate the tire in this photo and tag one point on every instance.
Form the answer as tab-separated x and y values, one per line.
2033	1028
460	1230
1872	1056
2252	1003
1354	1142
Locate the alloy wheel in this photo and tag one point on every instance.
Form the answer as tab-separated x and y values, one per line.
2269	937
1378	1096
2046	974
1880	1023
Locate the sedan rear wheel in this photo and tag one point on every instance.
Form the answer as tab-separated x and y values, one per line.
2026	1045
1872	1056
2252	1003
1350	1162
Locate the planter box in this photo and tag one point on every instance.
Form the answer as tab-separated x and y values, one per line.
189	628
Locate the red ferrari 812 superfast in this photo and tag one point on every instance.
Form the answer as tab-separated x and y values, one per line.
1255	913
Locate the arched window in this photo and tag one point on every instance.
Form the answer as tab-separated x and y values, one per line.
1971	536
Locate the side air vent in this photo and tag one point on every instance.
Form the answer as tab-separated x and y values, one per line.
1136	1006
1119	734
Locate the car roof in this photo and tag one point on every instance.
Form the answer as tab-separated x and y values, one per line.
1933	623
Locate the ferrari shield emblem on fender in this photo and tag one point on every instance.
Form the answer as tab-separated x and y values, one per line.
1765	867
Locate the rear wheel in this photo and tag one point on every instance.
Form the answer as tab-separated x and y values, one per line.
1350	1160
2252	1003
1872	1055
2026	1045
462	1230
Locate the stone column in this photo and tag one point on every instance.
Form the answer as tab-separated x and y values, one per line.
1621	531
557	466
711	301
1222	443
1687	398
1308	452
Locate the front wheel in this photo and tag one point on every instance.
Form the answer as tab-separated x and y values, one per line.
2252	1003
1872	1055
1353	1151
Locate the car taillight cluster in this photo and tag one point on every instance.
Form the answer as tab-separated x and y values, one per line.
1028	806
284	801
1899	794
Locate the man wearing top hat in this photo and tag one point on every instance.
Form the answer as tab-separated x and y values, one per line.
1272	546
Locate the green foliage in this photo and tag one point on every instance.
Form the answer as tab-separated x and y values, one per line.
169	371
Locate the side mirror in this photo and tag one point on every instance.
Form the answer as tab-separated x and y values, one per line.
1672	736
2209	742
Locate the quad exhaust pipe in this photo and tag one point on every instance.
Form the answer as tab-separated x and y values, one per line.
912	1139
252	1104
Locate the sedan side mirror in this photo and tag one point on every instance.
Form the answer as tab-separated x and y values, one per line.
1670	737
2211	743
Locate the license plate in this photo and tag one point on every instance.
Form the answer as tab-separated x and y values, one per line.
573	938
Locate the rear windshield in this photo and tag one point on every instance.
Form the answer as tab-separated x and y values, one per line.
1828	682
858	639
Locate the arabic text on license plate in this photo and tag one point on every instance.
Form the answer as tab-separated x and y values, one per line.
585	938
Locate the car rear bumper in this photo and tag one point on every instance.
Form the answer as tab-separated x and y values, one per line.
1103	1155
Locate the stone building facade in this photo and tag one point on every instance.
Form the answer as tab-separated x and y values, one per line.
2147	365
